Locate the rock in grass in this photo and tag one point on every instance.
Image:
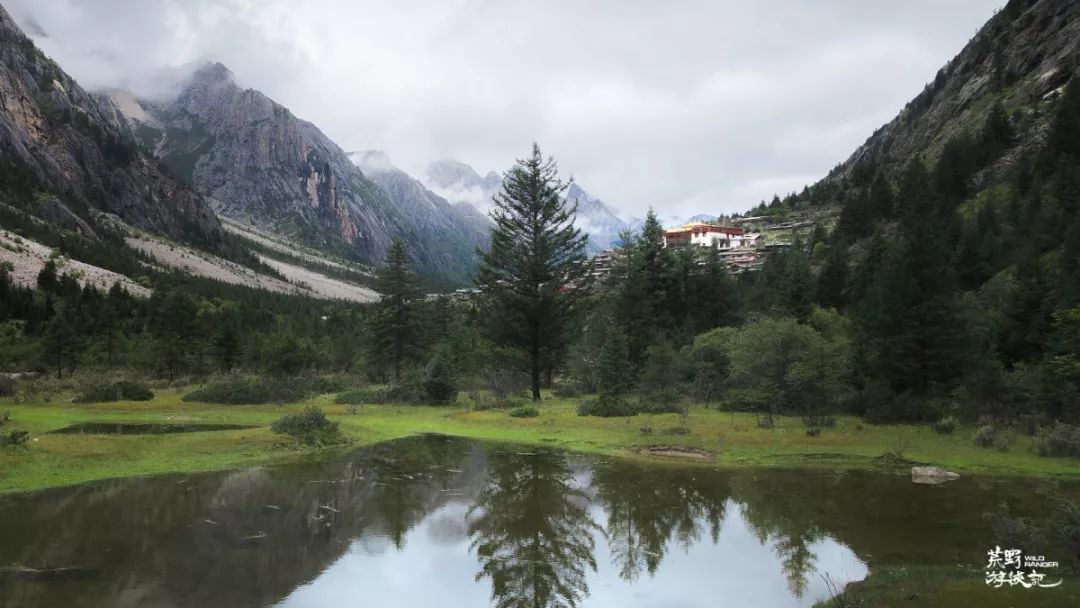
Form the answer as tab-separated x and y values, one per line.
932	475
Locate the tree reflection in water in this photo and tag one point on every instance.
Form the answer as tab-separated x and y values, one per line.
300	534
532	533
647	508
781	515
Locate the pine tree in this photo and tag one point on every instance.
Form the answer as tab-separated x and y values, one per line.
1063	137
396	329
881	198
60	340
47	279
647	294
832	280
613	371
715	301
954	170
796	282
533	276
997	134
911	325
856	217
440	386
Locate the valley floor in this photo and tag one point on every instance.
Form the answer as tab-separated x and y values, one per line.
715	438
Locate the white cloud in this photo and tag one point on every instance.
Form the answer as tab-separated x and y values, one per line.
691	107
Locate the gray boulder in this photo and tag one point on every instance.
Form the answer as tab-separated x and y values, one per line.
932	475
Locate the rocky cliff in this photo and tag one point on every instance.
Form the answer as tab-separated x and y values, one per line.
1021	57
261	165
433	214
62	155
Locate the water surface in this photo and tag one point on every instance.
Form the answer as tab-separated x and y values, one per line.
140	428
434	521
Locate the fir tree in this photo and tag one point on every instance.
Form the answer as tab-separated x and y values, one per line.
715	301
647	296
832	280
997	134
396	332
47	279
954	170
881	198
613	371
60	341
1063	137
797	282
533	275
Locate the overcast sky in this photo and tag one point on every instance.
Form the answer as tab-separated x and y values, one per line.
688	107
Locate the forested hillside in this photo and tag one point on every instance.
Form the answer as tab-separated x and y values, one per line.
956	255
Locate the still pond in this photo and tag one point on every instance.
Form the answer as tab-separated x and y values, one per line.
437	521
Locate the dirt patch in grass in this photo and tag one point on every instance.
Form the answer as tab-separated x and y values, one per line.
676	451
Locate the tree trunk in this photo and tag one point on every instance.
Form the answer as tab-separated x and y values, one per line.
534	360
535	379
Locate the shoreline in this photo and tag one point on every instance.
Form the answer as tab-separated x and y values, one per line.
729	440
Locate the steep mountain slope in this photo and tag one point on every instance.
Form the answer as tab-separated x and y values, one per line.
1022	56
62	156
955	250
460	184
432	212
261	165
596	218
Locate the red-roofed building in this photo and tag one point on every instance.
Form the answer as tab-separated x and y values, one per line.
702	235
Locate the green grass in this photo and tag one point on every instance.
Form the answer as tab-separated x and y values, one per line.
735	439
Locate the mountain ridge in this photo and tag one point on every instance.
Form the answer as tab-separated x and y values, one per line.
1026	52
65	156
259	164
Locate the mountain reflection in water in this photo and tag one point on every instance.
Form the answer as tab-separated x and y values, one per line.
437	521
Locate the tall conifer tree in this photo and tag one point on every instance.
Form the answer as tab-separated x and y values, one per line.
397	336
533	275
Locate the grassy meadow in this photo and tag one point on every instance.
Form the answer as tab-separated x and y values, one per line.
717	438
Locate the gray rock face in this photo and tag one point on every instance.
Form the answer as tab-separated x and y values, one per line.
932	475
259	164
56	212
596	218
56	138
1028	47
432	213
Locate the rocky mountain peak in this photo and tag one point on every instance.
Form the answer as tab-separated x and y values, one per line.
213	72
575	192
261	165
60	140
212	94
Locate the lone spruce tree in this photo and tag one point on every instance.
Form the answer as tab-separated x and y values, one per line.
532	277
396	333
